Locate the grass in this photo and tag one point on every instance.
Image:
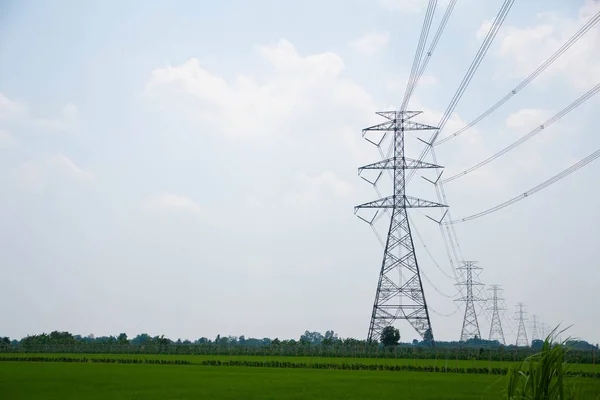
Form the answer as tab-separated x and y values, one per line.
542	376
27	380
21	380
196	359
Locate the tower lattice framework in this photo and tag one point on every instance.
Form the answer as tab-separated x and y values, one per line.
399	289
496	332
470	328
534	328
522	332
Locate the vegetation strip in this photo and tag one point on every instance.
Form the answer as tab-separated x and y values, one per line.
377	367
97	360
286	364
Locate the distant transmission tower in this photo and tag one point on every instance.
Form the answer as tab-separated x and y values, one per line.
496	332
521	333
399	290
534	330
470	327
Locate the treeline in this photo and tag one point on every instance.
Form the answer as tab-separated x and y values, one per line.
309	344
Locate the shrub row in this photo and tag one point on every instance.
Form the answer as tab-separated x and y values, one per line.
355	366
399	352
45	359
138	361
376	367
287	364
96	360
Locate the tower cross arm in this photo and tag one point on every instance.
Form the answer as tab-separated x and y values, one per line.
414	202
404	202
399	125
394	115
406	163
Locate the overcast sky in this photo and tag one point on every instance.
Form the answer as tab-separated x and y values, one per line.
189	168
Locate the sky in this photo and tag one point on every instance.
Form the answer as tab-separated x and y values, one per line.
189	168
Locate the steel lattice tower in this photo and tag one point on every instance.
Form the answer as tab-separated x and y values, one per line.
399	290
534	330
521	333
496	332
470	327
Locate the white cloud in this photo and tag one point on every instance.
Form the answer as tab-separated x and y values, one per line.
6	139
10	109
297	90
172	202
483	29
37	175
372	43
63	123
15	110
312	190
526	48
399	84
66	164
252	201
408	6
526	119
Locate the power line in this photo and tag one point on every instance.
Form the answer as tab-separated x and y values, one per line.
468	76
533	190
443	314
419	52
582	31
414	228
436	288
449	242
432	46
531	134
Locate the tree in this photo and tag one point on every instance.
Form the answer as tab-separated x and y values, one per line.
141	339
537	344
311	338
222	341
390	336
428	336
122	339
161	341
275	342
330	338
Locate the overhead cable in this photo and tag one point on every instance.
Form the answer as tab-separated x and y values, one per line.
432	46
582	31
531	191
531	134
506	6
419	52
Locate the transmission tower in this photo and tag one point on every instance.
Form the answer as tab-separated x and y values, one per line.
470	328
534	330
521	333
399	290
496	332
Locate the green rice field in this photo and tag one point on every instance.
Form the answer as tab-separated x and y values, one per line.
197	359
69	380
29	380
